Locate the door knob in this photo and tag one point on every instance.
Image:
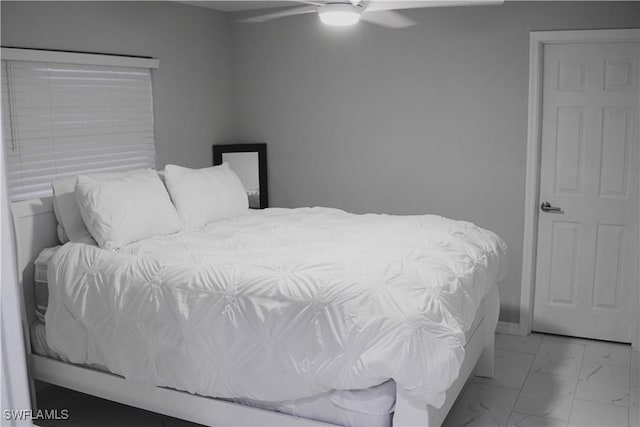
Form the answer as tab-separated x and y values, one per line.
546	207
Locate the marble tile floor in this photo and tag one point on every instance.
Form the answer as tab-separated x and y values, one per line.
540	380
548	380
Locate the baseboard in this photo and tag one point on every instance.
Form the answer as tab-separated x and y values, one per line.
508	328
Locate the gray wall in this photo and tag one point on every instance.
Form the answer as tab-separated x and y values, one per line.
429	119
192	87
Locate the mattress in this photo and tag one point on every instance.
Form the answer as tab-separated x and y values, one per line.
313	300
41	287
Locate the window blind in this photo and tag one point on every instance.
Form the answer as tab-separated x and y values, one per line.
62	119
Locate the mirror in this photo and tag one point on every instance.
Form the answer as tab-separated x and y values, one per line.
249	162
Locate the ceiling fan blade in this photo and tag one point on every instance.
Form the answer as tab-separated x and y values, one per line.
281	14
375	5
387	18
314	2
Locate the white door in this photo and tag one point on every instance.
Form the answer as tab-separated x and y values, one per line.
587	257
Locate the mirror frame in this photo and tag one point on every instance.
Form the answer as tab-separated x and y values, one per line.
261	149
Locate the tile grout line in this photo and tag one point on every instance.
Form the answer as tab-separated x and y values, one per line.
525	381
573	401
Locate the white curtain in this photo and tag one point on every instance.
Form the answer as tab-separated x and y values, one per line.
15	381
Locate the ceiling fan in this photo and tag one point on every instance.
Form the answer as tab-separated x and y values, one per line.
349	12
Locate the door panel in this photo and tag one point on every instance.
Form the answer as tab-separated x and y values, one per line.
609	245
564	248
588	253
570	135
616	125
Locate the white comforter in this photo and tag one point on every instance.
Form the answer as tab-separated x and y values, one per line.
279	304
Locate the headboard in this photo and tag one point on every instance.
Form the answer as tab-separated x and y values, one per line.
35	226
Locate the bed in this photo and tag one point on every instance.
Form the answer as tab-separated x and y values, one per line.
251	402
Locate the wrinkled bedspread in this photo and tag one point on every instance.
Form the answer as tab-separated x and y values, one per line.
279	304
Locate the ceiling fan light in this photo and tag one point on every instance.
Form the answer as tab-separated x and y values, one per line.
339	14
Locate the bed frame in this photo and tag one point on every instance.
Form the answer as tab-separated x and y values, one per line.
35	227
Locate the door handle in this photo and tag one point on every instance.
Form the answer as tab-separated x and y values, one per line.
546	207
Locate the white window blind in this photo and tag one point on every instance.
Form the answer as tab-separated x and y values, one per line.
62	119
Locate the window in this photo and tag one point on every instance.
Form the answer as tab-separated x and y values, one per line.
67	113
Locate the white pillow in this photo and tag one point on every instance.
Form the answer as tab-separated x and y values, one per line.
62	235
125	209
65	207
205	195
71	227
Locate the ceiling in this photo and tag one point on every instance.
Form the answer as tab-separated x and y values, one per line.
237	6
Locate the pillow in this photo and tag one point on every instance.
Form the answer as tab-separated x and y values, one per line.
62	235
205	195
118	211
67	212
71	227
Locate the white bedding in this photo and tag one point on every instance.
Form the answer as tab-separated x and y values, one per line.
279	304
371	407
